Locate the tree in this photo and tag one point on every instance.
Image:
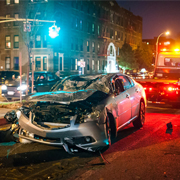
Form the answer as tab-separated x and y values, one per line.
127	58
144	56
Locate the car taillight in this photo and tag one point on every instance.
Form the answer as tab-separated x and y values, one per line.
145	88
150	89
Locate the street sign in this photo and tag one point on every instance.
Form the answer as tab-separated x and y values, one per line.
81	63
27	27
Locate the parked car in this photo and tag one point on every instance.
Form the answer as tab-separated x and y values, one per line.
8	75
84	111
43	81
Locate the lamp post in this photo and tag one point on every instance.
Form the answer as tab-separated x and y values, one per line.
167	33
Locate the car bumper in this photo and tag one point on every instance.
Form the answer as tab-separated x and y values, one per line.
74	134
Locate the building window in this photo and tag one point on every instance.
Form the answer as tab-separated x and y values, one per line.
118	51
38	64
8	42
98	47
16	63
81	45
76	44
38	41
16	1
30	64
44	63
76	64
81	25
98	65
93	47
76	23
16	23
111	34
88	64
88	27
61	64
7	24
8	2
103	65
98	30
73	64
87	46
44	42
92	64
72	43
16	41
93	30
7	63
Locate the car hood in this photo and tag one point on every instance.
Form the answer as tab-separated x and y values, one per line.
64	97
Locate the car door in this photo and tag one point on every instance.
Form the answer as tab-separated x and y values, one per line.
135	97
123	103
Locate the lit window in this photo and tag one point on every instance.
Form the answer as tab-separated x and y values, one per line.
98	47
92	64
8	42
38	64
92	28
87	46
38	41
8	2
16	41
44	63
93	48
76	63
98	65
16	1
7	63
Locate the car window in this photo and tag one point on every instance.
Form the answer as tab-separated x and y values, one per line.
131	81
50	77
125	81
118	86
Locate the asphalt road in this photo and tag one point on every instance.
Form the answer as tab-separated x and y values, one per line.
152	152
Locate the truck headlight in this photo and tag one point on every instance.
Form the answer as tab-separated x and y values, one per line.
22	87
3	87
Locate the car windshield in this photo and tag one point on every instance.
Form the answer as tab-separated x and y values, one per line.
75	83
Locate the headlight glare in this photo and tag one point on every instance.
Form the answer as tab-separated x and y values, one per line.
22	87
3	87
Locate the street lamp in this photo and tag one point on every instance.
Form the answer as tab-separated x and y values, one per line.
166	33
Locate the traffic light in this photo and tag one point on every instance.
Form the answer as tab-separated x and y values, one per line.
54	31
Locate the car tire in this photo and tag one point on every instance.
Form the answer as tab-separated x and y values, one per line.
139	122
108	130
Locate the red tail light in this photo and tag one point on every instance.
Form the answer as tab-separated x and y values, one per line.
150	89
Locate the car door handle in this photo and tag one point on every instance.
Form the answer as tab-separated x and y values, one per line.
127	96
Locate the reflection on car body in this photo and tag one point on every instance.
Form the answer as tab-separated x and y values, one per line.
83	111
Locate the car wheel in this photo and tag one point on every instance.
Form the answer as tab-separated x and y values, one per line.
108	130
138	123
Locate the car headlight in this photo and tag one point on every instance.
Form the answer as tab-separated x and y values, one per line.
22	87
3	87
93	116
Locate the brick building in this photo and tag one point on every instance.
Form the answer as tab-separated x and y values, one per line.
90	31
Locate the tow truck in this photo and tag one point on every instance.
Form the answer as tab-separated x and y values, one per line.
164	86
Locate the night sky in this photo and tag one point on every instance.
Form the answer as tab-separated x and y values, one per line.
158	16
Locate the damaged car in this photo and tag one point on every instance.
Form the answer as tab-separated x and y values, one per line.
83	111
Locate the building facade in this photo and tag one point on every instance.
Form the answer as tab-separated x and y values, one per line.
90	37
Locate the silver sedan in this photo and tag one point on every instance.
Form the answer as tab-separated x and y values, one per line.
82	111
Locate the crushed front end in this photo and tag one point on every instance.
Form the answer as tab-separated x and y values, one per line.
75	124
